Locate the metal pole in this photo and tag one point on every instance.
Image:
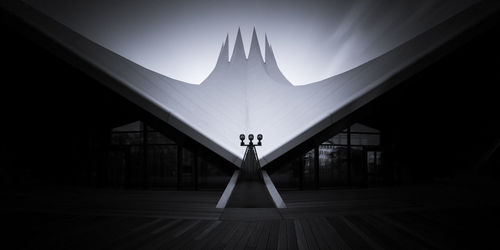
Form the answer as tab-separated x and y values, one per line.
179	166
195	170
144	154
349	157
316	166
301	172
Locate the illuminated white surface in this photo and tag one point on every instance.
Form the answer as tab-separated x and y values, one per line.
250	96
313	39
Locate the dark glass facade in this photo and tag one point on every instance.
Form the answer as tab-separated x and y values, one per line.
350	158
141	156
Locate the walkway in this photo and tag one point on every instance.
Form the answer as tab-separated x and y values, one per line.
385	218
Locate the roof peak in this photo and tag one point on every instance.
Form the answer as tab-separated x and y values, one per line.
239	48
224	52
269	53
255	53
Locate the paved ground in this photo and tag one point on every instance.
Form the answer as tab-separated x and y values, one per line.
250	194
384	218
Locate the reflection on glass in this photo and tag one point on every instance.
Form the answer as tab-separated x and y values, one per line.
334	161
308	169
134	160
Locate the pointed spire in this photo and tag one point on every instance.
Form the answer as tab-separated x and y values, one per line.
272	66
224	52
239	49
255	48
270	60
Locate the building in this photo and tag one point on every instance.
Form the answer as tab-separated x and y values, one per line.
76	114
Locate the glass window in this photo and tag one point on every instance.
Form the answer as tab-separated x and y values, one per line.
127	162
308	169
130	127
211	176
162	165
365	139
339	139
334	161
360	128
287	177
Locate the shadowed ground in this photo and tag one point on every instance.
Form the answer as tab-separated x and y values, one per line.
437	217
248	193
250	190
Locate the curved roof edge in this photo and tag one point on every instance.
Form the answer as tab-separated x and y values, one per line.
380	74
104	65
388	70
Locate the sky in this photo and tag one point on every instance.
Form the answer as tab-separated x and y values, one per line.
312	40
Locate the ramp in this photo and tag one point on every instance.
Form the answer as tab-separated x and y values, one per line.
249	188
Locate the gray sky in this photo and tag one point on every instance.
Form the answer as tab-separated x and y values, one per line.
312	40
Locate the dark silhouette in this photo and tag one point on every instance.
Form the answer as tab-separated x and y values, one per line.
250	190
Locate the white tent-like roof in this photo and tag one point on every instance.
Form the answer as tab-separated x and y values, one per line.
250	95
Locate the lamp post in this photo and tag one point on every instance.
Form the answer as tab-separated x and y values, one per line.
250	167
250	138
